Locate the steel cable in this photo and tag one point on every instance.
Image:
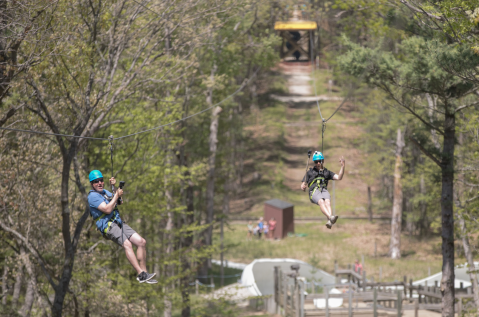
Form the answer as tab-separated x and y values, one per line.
140	132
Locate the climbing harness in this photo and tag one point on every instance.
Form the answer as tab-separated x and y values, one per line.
320	182
115	212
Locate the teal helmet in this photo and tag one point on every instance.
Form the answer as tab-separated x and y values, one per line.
95	174
318	156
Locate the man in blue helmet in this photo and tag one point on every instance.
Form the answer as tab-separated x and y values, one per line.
316	179
105	213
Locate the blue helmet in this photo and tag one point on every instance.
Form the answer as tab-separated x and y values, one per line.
95	174
318	156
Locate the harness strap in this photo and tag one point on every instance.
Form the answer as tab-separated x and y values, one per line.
108	227
105	215
317	180
312	193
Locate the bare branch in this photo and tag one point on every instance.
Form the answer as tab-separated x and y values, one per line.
9	114
413	8
90	250
412	111
472	199
32	251
435	160
107	124
466	106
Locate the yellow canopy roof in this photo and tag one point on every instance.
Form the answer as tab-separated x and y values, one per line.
295	25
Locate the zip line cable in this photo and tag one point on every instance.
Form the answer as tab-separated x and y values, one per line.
57	134
217	104
110	139
313	66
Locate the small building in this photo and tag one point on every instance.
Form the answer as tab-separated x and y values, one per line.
297	35
462	278
283	213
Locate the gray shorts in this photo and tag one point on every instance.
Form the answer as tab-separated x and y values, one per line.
319	194
114	233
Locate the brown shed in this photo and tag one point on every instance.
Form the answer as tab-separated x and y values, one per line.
283	213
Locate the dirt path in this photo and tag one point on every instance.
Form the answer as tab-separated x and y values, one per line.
303	132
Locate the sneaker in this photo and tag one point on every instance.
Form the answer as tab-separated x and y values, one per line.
328	224
152	281
144	276
333	219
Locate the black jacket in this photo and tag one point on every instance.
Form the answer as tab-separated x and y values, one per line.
321	177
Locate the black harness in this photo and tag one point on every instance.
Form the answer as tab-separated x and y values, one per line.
318	182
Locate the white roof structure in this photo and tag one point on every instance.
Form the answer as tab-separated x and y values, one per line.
230	264
258	276
461	276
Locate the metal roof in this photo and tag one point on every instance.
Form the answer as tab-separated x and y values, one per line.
295	25
258	276
278	203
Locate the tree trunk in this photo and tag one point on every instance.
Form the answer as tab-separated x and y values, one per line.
370	205
187	243
4	283
254	97
18	286
430	111
423	223
210	188
67	268
462	224
226	204
29	297
169	239
32	286
187	220
227	189
447	233
395	245
470	260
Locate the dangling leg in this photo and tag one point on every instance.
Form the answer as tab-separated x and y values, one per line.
324	209
316	197
140	244
130	255
327	204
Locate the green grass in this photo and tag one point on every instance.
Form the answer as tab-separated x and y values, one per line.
338	245
267	154
268	147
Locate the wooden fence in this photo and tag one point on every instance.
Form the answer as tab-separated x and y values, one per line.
296	297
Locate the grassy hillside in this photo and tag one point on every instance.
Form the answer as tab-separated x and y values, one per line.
347	241
280	134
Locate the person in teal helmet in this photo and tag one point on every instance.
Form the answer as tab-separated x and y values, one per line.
316	179
105	213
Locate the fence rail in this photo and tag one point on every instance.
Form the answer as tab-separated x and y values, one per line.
361	297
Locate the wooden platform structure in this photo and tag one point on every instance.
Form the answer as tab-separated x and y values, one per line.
361	297
297	36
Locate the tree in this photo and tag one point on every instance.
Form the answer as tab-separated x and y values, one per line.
396	219
20	23
119	68
405	79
